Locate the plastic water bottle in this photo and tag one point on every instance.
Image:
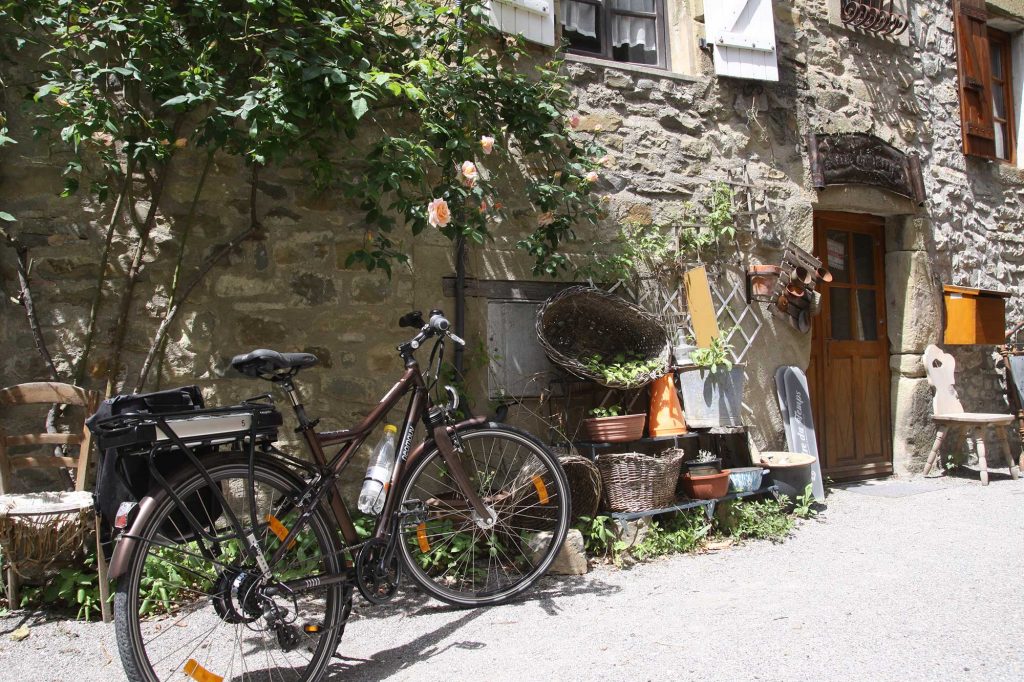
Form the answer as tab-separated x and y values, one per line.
378	474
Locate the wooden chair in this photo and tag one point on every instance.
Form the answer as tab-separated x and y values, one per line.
950	418
60	514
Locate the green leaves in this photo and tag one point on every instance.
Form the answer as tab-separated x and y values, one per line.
7	217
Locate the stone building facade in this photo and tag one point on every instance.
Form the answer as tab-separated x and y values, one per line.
671	132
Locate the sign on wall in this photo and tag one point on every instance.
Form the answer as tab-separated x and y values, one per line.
863	159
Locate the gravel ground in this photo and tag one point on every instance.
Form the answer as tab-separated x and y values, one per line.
918	580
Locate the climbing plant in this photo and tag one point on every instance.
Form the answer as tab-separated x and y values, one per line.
413	109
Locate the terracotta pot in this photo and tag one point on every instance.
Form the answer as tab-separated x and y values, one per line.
824	275
762	280
706	487
619	429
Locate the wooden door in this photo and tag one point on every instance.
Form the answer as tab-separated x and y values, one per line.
850	351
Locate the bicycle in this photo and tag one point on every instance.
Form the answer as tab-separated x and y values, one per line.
233	567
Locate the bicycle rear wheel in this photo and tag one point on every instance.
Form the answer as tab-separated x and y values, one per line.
190	609
458	559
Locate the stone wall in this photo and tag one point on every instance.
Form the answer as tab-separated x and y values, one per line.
670	137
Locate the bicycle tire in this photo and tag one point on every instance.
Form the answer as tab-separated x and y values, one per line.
213	607
438	532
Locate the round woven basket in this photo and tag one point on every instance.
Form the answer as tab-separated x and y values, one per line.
584	485
637	482
582	322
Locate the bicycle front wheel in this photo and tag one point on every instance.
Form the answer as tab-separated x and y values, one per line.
456	556
192	609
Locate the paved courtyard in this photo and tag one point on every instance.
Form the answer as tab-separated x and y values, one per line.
918	580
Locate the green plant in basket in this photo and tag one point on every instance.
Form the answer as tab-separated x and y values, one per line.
717	355
623	368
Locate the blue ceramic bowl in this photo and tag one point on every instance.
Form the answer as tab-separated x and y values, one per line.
745	479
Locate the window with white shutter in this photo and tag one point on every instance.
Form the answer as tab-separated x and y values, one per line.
533	19
742	33
630	31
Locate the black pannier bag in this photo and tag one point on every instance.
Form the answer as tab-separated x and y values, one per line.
126	434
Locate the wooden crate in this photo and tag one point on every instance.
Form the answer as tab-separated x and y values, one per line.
974	316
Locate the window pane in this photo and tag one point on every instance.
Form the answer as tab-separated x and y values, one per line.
864	258
581	24
634	5
1001	147
998	101
634	39
867	325
996	50
836	256
839	308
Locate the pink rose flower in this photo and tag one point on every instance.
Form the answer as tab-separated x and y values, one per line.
487	143
469	172
591	177
545	219
574	121
438	213
605	161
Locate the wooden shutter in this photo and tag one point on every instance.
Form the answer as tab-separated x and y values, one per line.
975	71
533	19
742	33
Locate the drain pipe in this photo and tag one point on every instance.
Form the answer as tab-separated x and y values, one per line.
460	245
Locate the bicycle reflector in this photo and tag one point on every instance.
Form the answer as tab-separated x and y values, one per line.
278	529
124	510
542	490
311	628
199	673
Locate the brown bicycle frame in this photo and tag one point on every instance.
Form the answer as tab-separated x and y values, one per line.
411	380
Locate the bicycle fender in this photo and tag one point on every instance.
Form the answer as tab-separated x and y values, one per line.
127	541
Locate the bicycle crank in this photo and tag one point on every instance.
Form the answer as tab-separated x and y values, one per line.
378	572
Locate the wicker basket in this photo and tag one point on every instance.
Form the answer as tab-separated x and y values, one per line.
636	482
584	485
581	322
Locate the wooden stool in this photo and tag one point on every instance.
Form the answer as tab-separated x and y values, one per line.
950	418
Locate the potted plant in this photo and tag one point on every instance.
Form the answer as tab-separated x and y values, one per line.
712	390
705	464
708	487
610	425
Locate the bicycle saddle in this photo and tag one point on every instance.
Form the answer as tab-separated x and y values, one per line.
262	363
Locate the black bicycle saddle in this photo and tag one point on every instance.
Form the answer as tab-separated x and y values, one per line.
263	362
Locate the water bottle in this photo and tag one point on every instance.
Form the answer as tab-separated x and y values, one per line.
378	474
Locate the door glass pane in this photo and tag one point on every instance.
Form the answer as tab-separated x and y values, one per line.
864	258
867	325
839	308
836	256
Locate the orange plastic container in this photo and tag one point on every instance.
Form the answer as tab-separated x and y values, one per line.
706	487
666	414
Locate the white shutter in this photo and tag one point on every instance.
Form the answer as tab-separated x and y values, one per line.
534	19
742	33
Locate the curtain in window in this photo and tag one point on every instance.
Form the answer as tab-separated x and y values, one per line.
580	17
634	31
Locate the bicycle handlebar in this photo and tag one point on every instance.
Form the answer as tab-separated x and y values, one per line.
436	324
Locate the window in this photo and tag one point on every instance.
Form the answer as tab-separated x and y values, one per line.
1002	94
619	30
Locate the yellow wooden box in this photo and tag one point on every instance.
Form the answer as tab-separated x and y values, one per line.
974	316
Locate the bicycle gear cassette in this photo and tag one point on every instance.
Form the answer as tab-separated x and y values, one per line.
378	572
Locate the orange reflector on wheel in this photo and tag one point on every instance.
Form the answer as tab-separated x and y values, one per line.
421	537
199	673
278	529
542	490
311	628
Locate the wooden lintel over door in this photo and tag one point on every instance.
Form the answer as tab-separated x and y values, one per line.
850	352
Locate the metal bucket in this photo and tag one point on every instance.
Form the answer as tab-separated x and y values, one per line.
712	399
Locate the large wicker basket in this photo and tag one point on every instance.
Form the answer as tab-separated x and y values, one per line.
582	322
636	482
584	485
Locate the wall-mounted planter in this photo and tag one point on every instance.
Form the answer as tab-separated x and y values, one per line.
712	399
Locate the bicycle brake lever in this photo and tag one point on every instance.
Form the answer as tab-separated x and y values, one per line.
456	339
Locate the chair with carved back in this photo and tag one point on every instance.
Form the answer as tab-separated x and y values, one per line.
40	529
950	418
